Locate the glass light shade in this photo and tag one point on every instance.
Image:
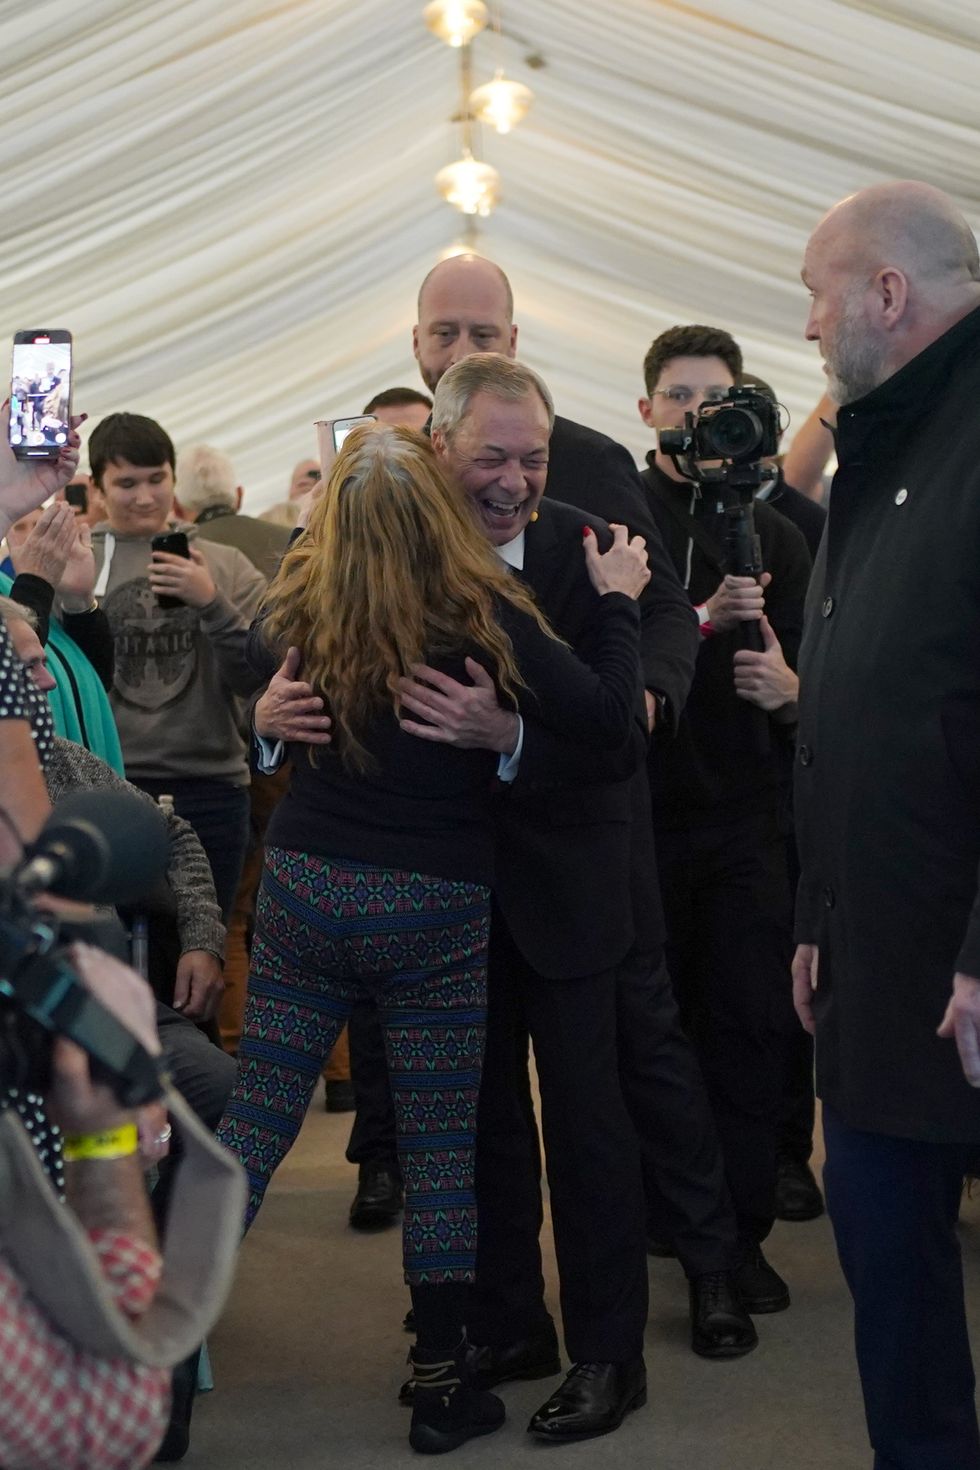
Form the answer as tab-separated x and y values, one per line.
456	21
472	187
501	103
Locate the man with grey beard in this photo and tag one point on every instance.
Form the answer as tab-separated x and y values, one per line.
888	800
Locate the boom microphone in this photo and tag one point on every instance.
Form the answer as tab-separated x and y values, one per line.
99	847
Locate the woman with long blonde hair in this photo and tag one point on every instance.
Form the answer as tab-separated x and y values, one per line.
379	859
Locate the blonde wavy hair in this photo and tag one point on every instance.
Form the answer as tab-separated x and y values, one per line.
393	570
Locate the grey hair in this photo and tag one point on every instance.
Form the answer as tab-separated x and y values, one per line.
484	372
16	612
205	477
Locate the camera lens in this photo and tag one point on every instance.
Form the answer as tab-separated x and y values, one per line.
735	434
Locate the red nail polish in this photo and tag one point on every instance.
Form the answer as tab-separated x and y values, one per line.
586	530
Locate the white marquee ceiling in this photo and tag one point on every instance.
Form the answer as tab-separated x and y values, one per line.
231	205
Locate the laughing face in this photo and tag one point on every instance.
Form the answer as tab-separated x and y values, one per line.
499	458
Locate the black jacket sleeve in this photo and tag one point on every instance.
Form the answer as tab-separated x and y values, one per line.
594	473
594	702
93	634
38	595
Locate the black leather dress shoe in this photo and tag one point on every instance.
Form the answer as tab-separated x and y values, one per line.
720	1325
593	1399
798	1195
760	1287
379	1198
528	1358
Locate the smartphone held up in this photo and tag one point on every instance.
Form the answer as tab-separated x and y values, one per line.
331	434
40	394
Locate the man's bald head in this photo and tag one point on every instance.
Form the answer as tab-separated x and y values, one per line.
890	269
465	306
907	224
463	271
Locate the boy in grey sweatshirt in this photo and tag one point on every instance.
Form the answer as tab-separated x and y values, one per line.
180	671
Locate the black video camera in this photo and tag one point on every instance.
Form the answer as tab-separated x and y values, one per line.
741	429
101	845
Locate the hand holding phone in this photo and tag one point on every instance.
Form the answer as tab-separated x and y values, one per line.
26	484
178	573
331	434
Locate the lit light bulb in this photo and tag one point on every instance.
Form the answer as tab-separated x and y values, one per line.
501	103
470	186
456	21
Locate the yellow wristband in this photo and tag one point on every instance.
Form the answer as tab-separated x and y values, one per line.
114	1143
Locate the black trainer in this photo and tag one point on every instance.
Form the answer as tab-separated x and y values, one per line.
446	1409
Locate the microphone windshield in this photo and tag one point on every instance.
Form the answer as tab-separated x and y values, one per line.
103	847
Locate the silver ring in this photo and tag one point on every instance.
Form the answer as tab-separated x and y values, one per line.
165	1136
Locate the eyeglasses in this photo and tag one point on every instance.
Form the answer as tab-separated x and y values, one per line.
683	396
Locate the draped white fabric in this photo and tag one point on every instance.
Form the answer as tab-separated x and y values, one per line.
231	205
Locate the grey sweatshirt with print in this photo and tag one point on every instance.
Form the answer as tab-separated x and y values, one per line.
180	672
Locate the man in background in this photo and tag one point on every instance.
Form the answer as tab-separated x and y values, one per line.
719	796
209	495
305	476
406	407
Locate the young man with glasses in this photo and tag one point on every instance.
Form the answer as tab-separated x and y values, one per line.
719	793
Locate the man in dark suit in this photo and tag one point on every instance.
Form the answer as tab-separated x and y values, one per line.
577	964
888	800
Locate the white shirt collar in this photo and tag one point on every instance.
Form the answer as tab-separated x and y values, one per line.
513	552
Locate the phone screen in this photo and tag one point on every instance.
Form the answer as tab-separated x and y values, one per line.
40	394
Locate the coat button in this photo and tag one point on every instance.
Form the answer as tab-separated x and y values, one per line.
829	897
828	607
806	755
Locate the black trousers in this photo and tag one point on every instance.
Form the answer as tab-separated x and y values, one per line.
688	1201
593	1163
373	1137
729	948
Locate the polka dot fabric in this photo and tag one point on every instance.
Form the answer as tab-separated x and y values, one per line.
19	700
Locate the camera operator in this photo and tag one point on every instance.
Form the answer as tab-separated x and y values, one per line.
61	1406
91	1317
719	789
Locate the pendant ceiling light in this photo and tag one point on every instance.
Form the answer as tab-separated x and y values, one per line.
456	21
501	103
469	185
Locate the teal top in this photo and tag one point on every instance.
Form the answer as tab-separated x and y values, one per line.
79	704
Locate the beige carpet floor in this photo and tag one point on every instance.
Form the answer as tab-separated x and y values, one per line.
309	1354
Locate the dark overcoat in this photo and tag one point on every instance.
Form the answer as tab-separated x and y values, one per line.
888	757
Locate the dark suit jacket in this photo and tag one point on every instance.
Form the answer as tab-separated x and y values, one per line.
576	874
